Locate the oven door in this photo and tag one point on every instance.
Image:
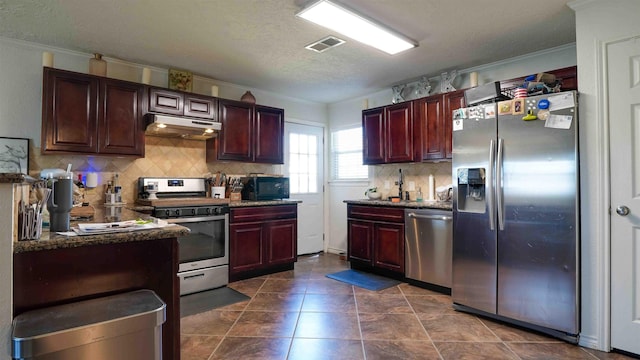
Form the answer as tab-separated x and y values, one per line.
207	245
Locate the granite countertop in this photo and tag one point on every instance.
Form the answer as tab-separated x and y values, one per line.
443	205
103	214
15	178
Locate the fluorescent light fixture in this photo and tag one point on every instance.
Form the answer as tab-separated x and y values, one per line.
337	18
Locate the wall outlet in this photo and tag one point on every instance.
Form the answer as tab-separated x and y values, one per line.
412	186
387	185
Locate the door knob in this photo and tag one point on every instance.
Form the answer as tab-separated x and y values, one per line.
622	210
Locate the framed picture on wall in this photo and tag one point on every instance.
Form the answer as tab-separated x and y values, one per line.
14	155
180	80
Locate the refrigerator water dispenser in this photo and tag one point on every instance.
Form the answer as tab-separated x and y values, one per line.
471	190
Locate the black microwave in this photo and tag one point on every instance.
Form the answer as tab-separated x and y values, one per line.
258	188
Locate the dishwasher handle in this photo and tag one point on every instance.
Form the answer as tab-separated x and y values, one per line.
431	217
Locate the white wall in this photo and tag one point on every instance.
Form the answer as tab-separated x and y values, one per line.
597	23
349	113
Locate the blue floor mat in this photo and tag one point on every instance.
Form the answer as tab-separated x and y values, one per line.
364	280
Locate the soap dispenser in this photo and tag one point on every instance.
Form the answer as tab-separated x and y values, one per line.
419	195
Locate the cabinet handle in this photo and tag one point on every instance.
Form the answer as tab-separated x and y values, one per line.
194	276
431	217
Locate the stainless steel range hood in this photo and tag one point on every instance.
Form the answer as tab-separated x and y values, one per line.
186	128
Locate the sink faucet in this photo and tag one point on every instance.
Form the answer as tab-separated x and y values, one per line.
400	182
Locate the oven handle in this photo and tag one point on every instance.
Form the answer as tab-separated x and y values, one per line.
195	219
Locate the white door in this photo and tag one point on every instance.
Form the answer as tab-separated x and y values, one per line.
623	70
304	165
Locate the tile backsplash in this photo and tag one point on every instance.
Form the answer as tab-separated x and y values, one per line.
416	172
164	157
168	157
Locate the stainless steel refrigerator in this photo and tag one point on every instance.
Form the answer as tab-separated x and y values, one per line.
516	216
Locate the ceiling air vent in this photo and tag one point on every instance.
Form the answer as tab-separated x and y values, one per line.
325	44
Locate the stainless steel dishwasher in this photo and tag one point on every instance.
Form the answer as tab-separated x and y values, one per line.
428	246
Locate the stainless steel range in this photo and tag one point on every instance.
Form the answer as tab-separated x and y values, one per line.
204	252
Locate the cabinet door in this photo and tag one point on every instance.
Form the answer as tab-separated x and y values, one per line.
388	246
432	127
454	100
235	141
399	132
281	241
269	135
165	101
373	145
69	112
360	238
199	106
120	124
245	247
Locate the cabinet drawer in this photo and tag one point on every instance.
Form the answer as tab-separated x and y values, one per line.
200	107
262	213
376	213
165	101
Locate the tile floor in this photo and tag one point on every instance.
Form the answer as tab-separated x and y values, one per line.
301	314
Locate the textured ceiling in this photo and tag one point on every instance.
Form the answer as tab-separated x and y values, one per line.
260	43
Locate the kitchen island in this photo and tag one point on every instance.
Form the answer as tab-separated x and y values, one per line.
59	269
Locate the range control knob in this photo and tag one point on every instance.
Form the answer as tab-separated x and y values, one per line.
177	212
167	213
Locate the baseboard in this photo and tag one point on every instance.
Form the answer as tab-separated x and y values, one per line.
331	250
590	342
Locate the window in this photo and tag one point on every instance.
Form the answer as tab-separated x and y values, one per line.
346	153
303	163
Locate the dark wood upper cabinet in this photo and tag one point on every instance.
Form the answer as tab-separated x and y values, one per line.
120	122
91	115
250	133
269	135
431	127
69	112
170	102
388	134
165	101
452	101
235	140
373	136
199	106
399	132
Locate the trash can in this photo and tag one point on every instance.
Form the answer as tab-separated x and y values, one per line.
125	327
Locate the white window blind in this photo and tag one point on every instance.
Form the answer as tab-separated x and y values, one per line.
346	153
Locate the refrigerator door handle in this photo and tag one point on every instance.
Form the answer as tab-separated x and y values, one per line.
499	194
490	185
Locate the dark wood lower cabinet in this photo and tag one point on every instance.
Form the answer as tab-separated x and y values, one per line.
376	238
61	276
262	240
